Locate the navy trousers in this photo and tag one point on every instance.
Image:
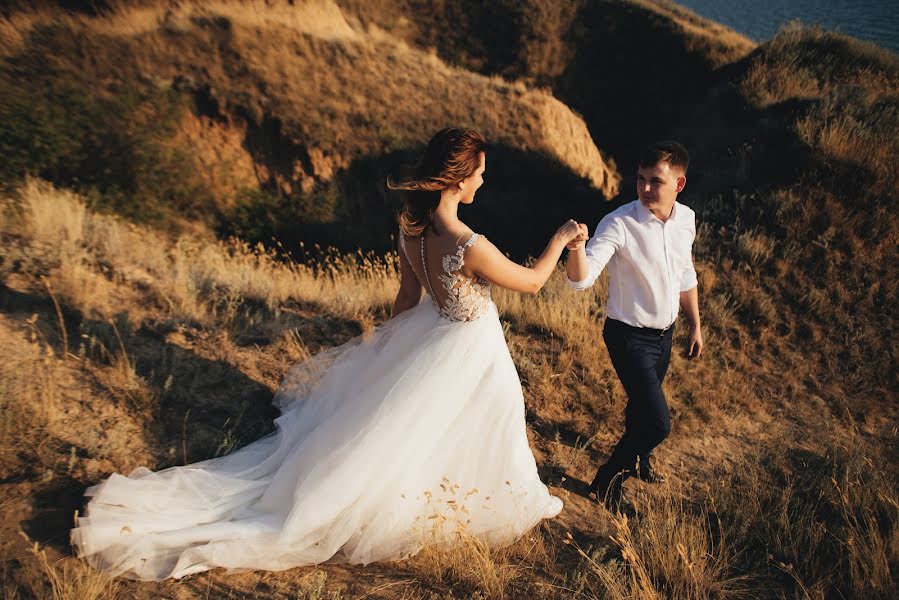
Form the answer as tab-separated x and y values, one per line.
640	357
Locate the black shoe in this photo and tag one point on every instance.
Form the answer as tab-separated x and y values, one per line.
646	473
609	493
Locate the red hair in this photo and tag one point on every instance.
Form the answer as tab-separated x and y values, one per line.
451	156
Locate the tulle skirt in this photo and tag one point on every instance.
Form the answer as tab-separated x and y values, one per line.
411	435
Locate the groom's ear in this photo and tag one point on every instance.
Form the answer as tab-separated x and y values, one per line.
681	182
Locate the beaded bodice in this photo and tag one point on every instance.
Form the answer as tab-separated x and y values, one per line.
458	297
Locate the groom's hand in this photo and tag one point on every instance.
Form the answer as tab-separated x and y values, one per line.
694	343
581	239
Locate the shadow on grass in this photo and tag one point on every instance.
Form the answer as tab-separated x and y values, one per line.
192	408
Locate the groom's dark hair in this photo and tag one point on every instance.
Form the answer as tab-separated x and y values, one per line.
667	151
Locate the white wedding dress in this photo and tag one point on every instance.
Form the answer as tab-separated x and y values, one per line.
408	436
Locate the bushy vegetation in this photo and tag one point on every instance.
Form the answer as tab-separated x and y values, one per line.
112	142
352	210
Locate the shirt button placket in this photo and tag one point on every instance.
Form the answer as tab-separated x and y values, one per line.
668	272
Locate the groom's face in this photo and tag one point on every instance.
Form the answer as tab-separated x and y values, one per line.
659	185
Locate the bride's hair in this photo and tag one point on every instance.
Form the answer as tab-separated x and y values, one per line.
451	156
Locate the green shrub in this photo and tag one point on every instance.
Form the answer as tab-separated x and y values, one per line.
114	145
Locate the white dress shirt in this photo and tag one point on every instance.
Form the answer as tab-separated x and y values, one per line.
650	263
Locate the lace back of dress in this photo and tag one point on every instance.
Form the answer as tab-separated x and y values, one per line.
456	296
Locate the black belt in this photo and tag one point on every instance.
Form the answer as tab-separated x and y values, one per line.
644	330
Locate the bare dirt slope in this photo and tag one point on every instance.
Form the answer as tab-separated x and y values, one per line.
290	101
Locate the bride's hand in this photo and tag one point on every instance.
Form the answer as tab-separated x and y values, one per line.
568	231
581	239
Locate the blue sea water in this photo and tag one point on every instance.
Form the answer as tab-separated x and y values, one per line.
876	20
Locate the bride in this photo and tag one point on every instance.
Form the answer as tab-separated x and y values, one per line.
409	436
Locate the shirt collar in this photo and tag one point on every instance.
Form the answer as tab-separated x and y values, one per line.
645	215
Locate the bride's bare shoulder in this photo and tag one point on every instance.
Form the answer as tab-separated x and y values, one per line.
481	250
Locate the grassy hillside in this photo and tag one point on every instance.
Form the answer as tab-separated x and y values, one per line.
793	144
135	337
222	113
128	350
795	149
650	60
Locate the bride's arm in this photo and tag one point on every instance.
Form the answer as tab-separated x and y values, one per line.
486	260
409	293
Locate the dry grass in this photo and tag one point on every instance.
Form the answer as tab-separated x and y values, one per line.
187	279
822	536
36	430
68	579
828	523
849	87
666	552
469	563
710	539
454	558
799	232
193	279
121	340
27	390
319	17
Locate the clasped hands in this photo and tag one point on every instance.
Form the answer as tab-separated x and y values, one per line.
575	234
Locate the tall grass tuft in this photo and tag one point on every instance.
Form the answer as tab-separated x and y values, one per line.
190	278
666	548
68	579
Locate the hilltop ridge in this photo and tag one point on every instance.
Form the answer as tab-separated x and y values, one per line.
290	103
650	60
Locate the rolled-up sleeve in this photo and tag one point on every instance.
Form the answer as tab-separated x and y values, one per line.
688	279
608	238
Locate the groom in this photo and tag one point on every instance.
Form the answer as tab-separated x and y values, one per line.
647	246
